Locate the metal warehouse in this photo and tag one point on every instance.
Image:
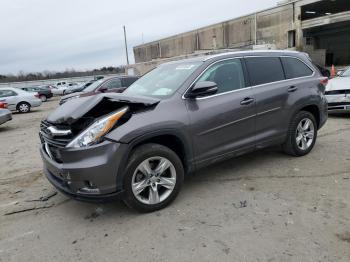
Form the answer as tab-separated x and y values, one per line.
320	28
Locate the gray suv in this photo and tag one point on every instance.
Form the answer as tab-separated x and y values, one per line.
178	118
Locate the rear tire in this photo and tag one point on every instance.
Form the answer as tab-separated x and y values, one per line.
43	98
302	134
23	107
153	178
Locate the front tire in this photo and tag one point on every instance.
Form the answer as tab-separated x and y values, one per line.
302	134
23	107
153	178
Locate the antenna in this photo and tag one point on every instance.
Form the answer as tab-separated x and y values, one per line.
126	46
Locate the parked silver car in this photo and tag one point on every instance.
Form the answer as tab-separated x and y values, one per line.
5	115
19	100
338	93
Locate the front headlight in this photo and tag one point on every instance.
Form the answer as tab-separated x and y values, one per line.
97	130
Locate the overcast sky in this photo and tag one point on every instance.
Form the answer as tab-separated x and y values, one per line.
38	35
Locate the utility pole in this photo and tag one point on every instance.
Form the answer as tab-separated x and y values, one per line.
126	46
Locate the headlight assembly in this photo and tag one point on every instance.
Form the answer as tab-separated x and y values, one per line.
97	130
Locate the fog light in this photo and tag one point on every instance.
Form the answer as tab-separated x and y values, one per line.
90	188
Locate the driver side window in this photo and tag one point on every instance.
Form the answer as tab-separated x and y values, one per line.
228	75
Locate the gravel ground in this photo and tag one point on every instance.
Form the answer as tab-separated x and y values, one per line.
264	206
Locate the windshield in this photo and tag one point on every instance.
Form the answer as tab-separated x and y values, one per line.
346	72
163	81
93	86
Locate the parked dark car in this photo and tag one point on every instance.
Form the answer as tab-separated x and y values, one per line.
106	85
79	88
178	118
44	93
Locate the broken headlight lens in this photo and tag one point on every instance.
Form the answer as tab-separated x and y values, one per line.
97	130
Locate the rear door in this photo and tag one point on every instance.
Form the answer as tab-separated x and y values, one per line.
224	123
271	93
278	83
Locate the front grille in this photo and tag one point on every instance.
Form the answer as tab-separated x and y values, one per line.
337	92
339	104
54	144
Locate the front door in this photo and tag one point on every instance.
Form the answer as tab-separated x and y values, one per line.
223	124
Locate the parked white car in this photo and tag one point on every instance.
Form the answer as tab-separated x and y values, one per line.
19	100
338	93
61	87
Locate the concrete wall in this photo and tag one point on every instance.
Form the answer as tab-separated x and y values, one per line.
272	28
268	28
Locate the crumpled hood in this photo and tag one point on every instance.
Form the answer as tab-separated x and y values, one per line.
338	83
74	109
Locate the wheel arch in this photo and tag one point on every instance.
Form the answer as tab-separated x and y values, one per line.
314	110
23	102
170	138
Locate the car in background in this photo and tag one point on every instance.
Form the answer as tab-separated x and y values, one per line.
79	88
5	115
116	84
71	86
19	100
44	93
61	84
61	89
338	93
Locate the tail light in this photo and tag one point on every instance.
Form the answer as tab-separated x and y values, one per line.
3	105
323	84
324	81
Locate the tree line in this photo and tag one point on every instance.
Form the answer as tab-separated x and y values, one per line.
45	75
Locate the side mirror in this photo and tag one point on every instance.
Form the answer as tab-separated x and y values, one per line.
203	88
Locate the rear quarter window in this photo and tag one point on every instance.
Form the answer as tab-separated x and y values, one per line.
263	70
295	68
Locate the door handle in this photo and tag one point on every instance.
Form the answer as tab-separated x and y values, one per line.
247	101
292	89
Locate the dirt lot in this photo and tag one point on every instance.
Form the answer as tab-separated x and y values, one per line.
264	206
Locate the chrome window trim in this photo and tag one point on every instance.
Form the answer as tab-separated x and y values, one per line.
248	87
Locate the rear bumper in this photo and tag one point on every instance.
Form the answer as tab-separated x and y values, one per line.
35	103
89	174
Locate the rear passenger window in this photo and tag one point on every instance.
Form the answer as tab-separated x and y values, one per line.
263	70
228	75
295	68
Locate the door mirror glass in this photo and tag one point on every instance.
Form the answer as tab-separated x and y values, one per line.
203	88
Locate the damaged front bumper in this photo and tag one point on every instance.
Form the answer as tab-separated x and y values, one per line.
339	103
87	174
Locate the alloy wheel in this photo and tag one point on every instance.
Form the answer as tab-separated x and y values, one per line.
305	134
153	180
